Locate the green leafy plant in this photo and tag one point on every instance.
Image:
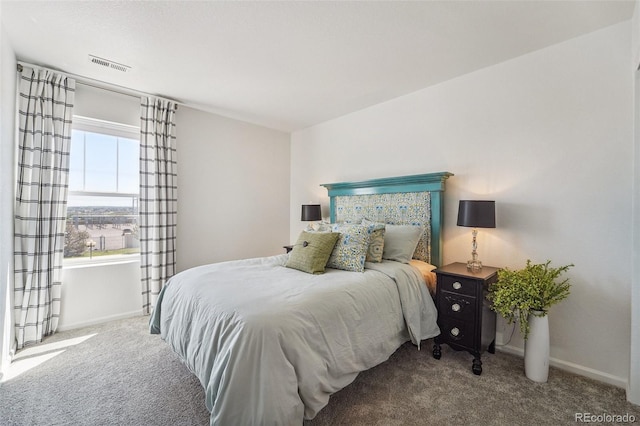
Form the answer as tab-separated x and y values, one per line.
528	291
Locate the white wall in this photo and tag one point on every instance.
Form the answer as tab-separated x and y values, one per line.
635	33
106	105
548	136
101	292
98	293
633	390
7	153
233	189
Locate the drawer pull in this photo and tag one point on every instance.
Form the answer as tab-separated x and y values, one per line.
457	285
455	307
455	331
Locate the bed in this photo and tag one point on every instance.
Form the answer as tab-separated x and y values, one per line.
270	343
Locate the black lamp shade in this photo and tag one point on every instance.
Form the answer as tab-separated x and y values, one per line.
311	212
477	214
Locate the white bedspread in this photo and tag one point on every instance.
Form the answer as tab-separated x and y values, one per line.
271	344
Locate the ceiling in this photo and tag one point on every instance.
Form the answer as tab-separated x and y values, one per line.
289	65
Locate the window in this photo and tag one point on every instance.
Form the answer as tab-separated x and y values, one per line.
102	209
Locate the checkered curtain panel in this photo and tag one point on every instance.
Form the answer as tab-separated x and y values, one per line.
45	105
158	197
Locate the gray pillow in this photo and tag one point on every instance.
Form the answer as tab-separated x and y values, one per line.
311	251
400	242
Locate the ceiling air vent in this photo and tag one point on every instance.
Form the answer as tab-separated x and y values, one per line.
108	64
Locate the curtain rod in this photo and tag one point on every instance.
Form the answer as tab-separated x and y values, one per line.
86	81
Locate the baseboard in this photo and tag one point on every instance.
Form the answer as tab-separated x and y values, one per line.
101	320
600	376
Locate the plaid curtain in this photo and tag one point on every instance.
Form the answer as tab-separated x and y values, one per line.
158	197
45	105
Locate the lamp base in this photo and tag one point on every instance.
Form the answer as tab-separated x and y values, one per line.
474	265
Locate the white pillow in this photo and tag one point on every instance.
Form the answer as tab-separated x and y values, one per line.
400	242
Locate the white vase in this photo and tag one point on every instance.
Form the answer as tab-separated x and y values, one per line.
536	349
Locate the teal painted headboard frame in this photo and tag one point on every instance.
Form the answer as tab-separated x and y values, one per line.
430	182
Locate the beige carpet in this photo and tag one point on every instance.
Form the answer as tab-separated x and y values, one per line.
122	375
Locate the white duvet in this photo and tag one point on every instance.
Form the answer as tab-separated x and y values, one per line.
271	344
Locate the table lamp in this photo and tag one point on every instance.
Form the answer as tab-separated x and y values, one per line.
476	214
311	212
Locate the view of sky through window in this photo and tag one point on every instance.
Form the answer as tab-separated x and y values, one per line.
102	163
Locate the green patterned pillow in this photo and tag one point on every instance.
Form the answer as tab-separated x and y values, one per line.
350	251
312	250
376	242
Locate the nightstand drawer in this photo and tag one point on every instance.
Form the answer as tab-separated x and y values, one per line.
457	332
457	306
458	285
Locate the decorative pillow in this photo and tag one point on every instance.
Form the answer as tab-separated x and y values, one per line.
376	242
400	242
318	227
311	252
350	251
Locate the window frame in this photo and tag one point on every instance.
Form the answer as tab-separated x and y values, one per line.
120	130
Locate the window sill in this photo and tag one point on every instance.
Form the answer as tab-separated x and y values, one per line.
98	261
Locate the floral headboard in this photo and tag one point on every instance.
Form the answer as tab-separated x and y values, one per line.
413	200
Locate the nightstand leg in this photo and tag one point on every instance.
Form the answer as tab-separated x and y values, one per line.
477	366
492	347
437	353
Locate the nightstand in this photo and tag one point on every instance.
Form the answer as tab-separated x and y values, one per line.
465	318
